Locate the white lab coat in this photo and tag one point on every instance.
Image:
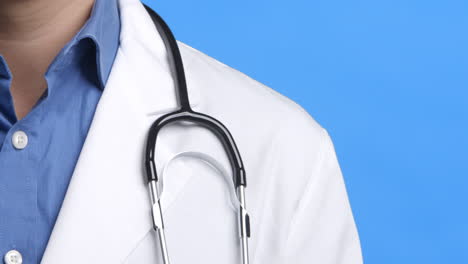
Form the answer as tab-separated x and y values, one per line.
295	193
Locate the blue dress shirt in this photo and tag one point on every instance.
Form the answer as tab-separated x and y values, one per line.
34	179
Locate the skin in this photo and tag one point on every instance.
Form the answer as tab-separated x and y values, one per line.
32	33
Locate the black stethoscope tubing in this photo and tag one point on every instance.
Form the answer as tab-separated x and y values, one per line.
185	113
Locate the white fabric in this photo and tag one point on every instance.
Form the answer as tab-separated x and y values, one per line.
220	171
295	194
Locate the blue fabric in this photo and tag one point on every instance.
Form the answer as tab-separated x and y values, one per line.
34	180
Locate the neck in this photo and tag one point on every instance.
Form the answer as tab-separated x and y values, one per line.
31	20
32	33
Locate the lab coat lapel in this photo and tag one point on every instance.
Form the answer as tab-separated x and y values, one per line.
106	210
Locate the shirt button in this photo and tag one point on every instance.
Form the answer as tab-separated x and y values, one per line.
13	257
19	139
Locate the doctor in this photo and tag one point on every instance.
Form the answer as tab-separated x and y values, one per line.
81	82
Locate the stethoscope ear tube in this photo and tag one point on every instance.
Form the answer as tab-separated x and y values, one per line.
185	113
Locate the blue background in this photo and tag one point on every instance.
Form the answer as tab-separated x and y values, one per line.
388	79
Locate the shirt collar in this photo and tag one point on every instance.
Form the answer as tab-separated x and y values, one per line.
103	28
4	71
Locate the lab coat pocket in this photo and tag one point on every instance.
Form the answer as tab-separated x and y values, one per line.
200	214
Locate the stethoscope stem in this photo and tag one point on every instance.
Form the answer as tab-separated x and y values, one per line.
162	241
158	222
244	225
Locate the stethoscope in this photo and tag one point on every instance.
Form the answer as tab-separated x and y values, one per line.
185	113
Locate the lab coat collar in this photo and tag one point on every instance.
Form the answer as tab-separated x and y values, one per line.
106	210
